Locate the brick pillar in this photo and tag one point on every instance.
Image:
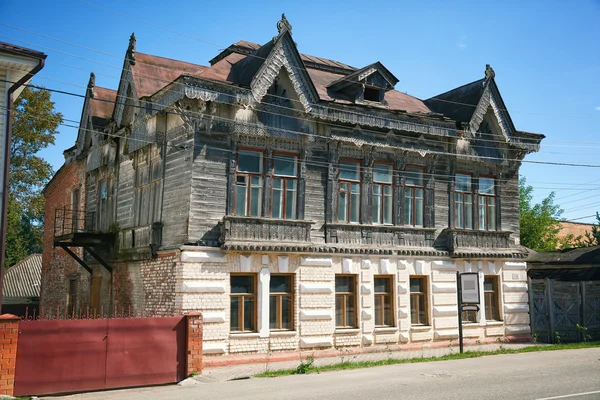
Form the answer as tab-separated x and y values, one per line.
194	343
9	336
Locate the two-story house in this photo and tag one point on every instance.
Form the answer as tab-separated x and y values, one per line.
296	201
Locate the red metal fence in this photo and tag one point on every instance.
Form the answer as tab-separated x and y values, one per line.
62	356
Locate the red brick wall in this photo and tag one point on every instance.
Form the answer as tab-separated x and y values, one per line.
9	336
194	344
57	265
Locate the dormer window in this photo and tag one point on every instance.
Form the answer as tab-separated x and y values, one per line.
372	94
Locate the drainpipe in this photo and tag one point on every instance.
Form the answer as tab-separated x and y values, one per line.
7	143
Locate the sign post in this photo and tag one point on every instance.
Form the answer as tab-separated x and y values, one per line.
467	296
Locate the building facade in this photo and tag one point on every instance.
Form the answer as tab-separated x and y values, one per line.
301	203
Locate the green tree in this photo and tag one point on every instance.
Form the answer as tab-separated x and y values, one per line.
539	222
35	124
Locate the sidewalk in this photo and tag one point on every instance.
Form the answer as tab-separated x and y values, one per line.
241	371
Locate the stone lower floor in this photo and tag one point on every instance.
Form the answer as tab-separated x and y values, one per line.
261	303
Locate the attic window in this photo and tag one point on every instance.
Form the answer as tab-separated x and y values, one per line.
372	94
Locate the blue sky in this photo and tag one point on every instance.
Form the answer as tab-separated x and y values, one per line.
546	55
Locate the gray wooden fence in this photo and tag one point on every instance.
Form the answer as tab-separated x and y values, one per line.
557	308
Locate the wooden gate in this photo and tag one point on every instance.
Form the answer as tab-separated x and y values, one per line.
63	356
559	307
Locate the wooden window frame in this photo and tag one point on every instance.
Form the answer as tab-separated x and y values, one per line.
488	198
381	297
349	192
463	209
249	186
285	179
425	295
383	196
280	296
344	295
492	298
241	296
413	189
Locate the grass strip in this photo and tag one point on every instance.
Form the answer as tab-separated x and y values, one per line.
452	356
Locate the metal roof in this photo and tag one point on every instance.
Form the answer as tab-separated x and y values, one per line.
23	279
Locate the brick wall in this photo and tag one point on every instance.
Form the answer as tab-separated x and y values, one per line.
194	344
9	336
57	265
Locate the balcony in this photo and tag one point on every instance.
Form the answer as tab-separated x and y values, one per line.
459	240
78	227
253	229
380	235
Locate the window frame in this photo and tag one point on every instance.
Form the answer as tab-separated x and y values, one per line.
280	296
249	182
354	324
285	179
425	295
254	295
494	304
488	198
383	295
382	195
414	188
464	204
349	192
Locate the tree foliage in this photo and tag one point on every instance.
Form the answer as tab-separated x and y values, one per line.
35	124
539	222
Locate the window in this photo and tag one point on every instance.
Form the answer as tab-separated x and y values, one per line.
243	303
418	301
149	175
349	192
463	202
413	197
469	316
285	186
487	204
382	194
345	301
372	94
490	290
383	301
249	183
281	302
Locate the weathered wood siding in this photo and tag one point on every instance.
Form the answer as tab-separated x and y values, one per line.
316	189
125	192
509	205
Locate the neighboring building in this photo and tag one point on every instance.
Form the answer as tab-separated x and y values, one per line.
575	229
21	287
17	66
297	202
565	292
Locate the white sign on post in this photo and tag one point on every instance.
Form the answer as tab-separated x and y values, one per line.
469	284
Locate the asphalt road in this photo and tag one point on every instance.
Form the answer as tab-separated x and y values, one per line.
567	374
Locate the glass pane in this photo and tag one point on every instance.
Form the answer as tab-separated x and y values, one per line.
350	170
349	310
463	183
355	207
234	315
290	211
377	189
342	207
486	186
339	321
488	284
382	173
280	284
416	285
468	212
387	315
414	177
344	284
103	192
419	208
287	309
422	311
492	216
249	161
278	183
482	210
382	285
414	309
387	209
249	314
355	188
291	184
285	165
242	284
408	206
240	200
256	180
277	203
273	312
256	201
378	307
376	209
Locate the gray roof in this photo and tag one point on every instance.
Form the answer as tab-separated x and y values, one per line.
577	256
23	279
